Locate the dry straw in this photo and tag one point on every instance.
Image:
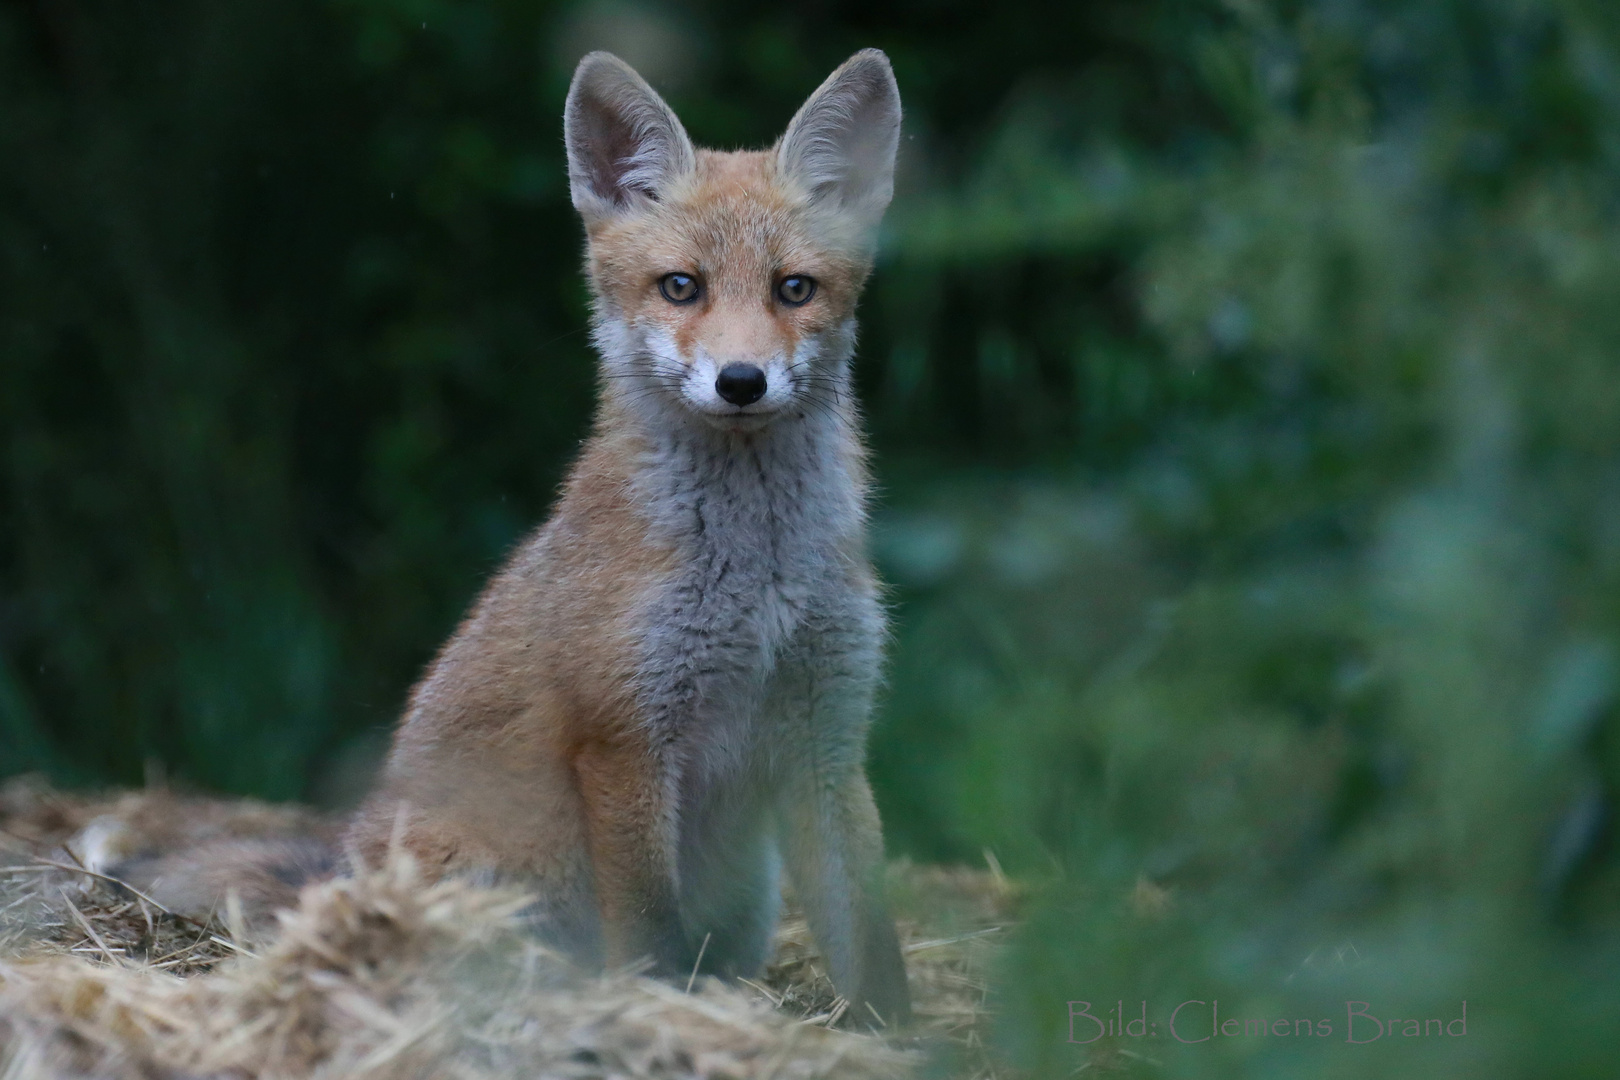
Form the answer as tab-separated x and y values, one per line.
386	975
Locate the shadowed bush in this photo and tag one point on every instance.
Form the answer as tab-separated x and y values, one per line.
1243	379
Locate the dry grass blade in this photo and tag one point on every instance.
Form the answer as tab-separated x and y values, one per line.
935	943
774	998
88	929
697	963
109	879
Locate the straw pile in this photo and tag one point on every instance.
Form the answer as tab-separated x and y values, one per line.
383	975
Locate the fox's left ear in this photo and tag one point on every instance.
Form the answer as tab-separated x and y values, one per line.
841	143
625	146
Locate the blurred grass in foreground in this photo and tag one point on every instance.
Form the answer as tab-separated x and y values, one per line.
1325	669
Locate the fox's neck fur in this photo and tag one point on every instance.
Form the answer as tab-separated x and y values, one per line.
798	483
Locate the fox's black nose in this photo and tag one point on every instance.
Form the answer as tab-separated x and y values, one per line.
740	384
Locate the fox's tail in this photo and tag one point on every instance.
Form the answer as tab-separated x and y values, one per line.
197	857
246	878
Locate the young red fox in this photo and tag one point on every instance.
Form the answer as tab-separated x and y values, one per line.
665	694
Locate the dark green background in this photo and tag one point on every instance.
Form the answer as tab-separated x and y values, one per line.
1244	379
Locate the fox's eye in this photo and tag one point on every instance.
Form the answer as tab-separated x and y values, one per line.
678	288
797	289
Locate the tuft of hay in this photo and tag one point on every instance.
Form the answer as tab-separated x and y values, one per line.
386	975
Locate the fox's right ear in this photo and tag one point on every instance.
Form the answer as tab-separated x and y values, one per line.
841	144
625	146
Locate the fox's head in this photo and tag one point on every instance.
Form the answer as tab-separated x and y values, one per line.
725	282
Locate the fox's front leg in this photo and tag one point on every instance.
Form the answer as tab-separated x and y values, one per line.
627	788
831	838
834	852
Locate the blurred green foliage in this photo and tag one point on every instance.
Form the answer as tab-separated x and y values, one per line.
1245	380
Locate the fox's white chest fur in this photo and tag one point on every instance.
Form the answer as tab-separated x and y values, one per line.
767	529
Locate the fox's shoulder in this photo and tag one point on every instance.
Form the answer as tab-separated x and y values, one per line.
600	533
558	623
